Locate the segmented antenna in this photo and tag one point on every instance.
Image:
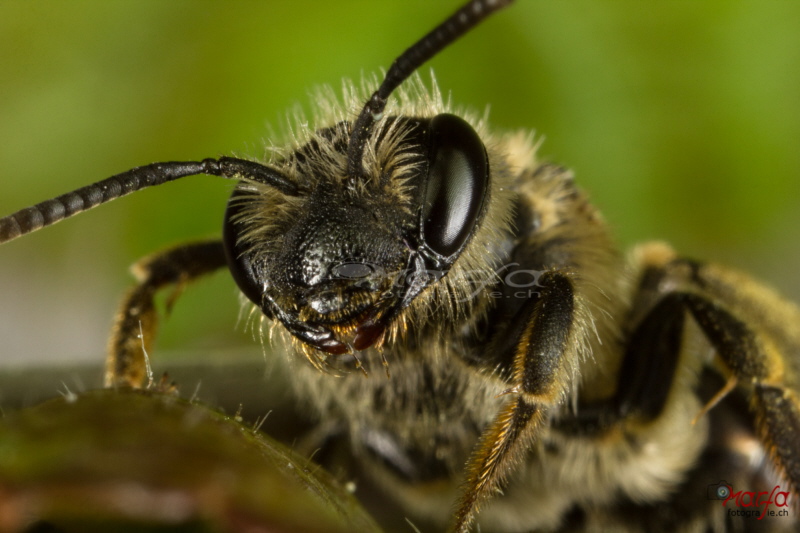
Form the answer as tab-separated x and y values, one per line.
56	209
414	57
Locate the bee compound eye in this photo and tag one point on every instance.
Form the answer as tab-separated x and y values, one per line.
456	187
239	263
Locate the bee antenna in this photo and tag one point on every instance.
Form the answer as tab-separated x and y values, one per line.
56	209
414	57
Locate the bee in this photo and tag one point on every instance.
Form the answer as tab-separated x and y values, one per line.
456	311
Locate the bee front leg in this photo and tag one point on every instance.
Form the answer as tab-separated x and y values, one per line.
136	321
544	347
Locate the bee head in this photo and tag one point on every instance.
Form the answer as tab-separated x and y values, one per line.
337	263
349	227
364	215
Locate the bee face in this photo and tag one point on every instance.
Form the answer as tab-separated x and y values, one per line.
341	260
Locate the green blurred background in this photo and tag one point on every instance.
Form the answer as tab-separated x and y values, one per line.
681	118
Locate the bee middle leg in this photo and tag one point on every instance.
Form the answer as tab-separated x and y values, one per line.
754	335
757	365
136	321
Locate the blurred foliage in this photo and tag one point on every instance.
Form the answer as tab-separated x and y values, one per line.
681	118
145	461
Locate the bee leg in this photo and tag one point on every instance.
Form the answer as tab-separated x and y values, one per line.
651	358
755	363
550	336
136	321
646	375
